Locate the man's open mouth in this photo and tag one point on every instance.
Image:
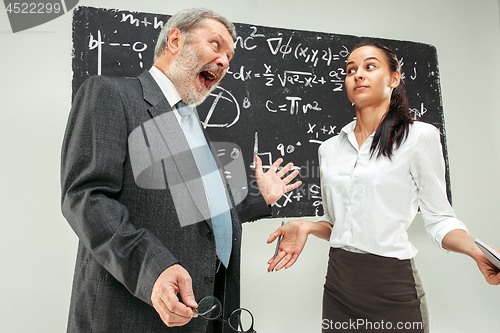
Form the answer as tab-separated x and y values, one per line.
207	78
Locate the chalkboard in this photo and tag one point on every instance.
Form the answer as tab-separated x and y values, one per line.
282	96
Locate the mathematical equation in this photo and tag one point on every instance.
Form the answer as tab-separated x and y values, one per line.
286	78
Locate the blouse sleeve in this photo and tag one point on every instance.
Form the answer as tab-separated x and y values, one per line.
326	215
428	171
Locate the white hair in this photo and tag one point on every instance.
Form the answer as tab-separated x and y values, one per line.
186	21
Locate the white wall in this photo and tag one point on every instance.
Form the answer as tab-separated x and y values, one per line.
37	247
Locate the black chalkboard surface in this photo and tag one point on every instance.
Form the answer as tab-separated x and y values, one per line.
282	96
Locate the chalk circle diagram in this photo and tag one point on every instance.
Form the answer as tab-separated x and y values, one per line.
223	109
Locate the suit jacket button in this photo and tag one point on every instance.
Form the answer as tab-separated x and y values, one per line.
210	236
209	280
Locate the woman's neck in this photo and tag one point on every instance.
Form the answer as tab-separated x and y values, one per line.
367	121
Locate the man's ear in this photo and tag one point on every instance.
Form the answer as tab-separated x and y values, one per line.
396	78
175	40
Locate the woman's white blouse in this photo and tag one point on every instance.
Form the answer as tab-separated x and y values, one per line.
371	202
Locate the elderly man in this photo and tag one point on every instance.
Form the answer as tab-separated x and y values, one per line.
157	223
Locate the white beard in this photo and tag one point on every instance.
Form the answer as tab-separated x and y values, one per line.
184	72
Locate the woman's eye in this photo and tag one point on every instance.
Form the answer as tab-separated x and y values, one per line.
350	70
371	66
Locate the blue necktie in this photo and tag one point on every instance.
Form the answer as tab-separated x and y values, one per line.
219	208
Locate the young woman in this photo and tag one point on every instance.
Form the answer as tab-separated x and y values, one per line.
375	174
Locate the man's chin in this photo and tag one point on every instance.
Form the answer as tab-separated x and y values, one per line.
195	101
200	98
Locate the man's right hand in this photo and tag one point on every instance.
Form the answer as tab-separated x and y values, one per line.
174	280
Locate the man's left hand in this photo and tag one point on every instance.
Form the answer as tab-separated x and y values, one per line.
272	185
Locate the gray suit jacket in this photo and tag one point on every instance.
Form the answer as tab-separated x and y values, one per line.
130	231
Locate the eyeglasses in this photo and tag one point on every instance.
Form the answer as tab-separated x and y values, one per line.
240	320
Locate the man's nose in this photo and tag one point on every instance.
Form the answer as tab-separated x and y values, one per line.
223	62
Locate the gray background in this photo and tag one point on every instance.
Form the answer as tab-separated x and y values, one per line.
37	247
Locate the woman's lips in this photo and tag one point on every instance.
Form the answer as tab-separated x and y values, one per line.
361	87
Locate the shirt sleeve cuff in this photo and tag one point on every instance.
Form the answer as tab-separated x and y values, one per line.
439	231
326	218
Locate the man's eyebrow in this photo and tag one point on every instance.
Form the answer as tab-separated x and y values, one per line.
220	38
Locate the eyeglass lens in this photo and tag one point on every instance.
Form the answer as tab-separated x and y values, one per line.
209	308
241	320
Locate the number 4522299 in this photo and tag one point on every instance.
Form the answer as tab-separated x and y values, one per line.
33	8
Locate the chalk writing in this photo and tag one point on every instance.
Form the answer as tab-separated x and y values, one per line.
314	55
414	75
315	130
98	43
233	115
135	21
289	149
417	113
292	106
244	42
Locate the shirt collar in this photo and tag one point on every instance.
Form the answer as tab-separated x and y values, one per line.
166	86
348	131
349	128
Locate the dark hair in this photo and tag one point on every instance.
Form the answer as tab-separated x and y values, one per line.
395	125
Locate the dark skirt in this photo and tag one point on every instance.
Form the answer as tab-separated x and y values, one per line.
370	293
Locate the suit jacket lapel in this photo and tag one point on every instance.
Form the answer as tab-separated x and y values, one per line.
173	136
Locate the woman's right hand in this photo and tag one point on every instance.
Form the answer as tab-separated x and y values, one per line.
294	236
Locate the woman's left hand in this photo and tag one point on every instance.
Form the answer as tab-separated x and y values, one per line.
491	272
461	242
